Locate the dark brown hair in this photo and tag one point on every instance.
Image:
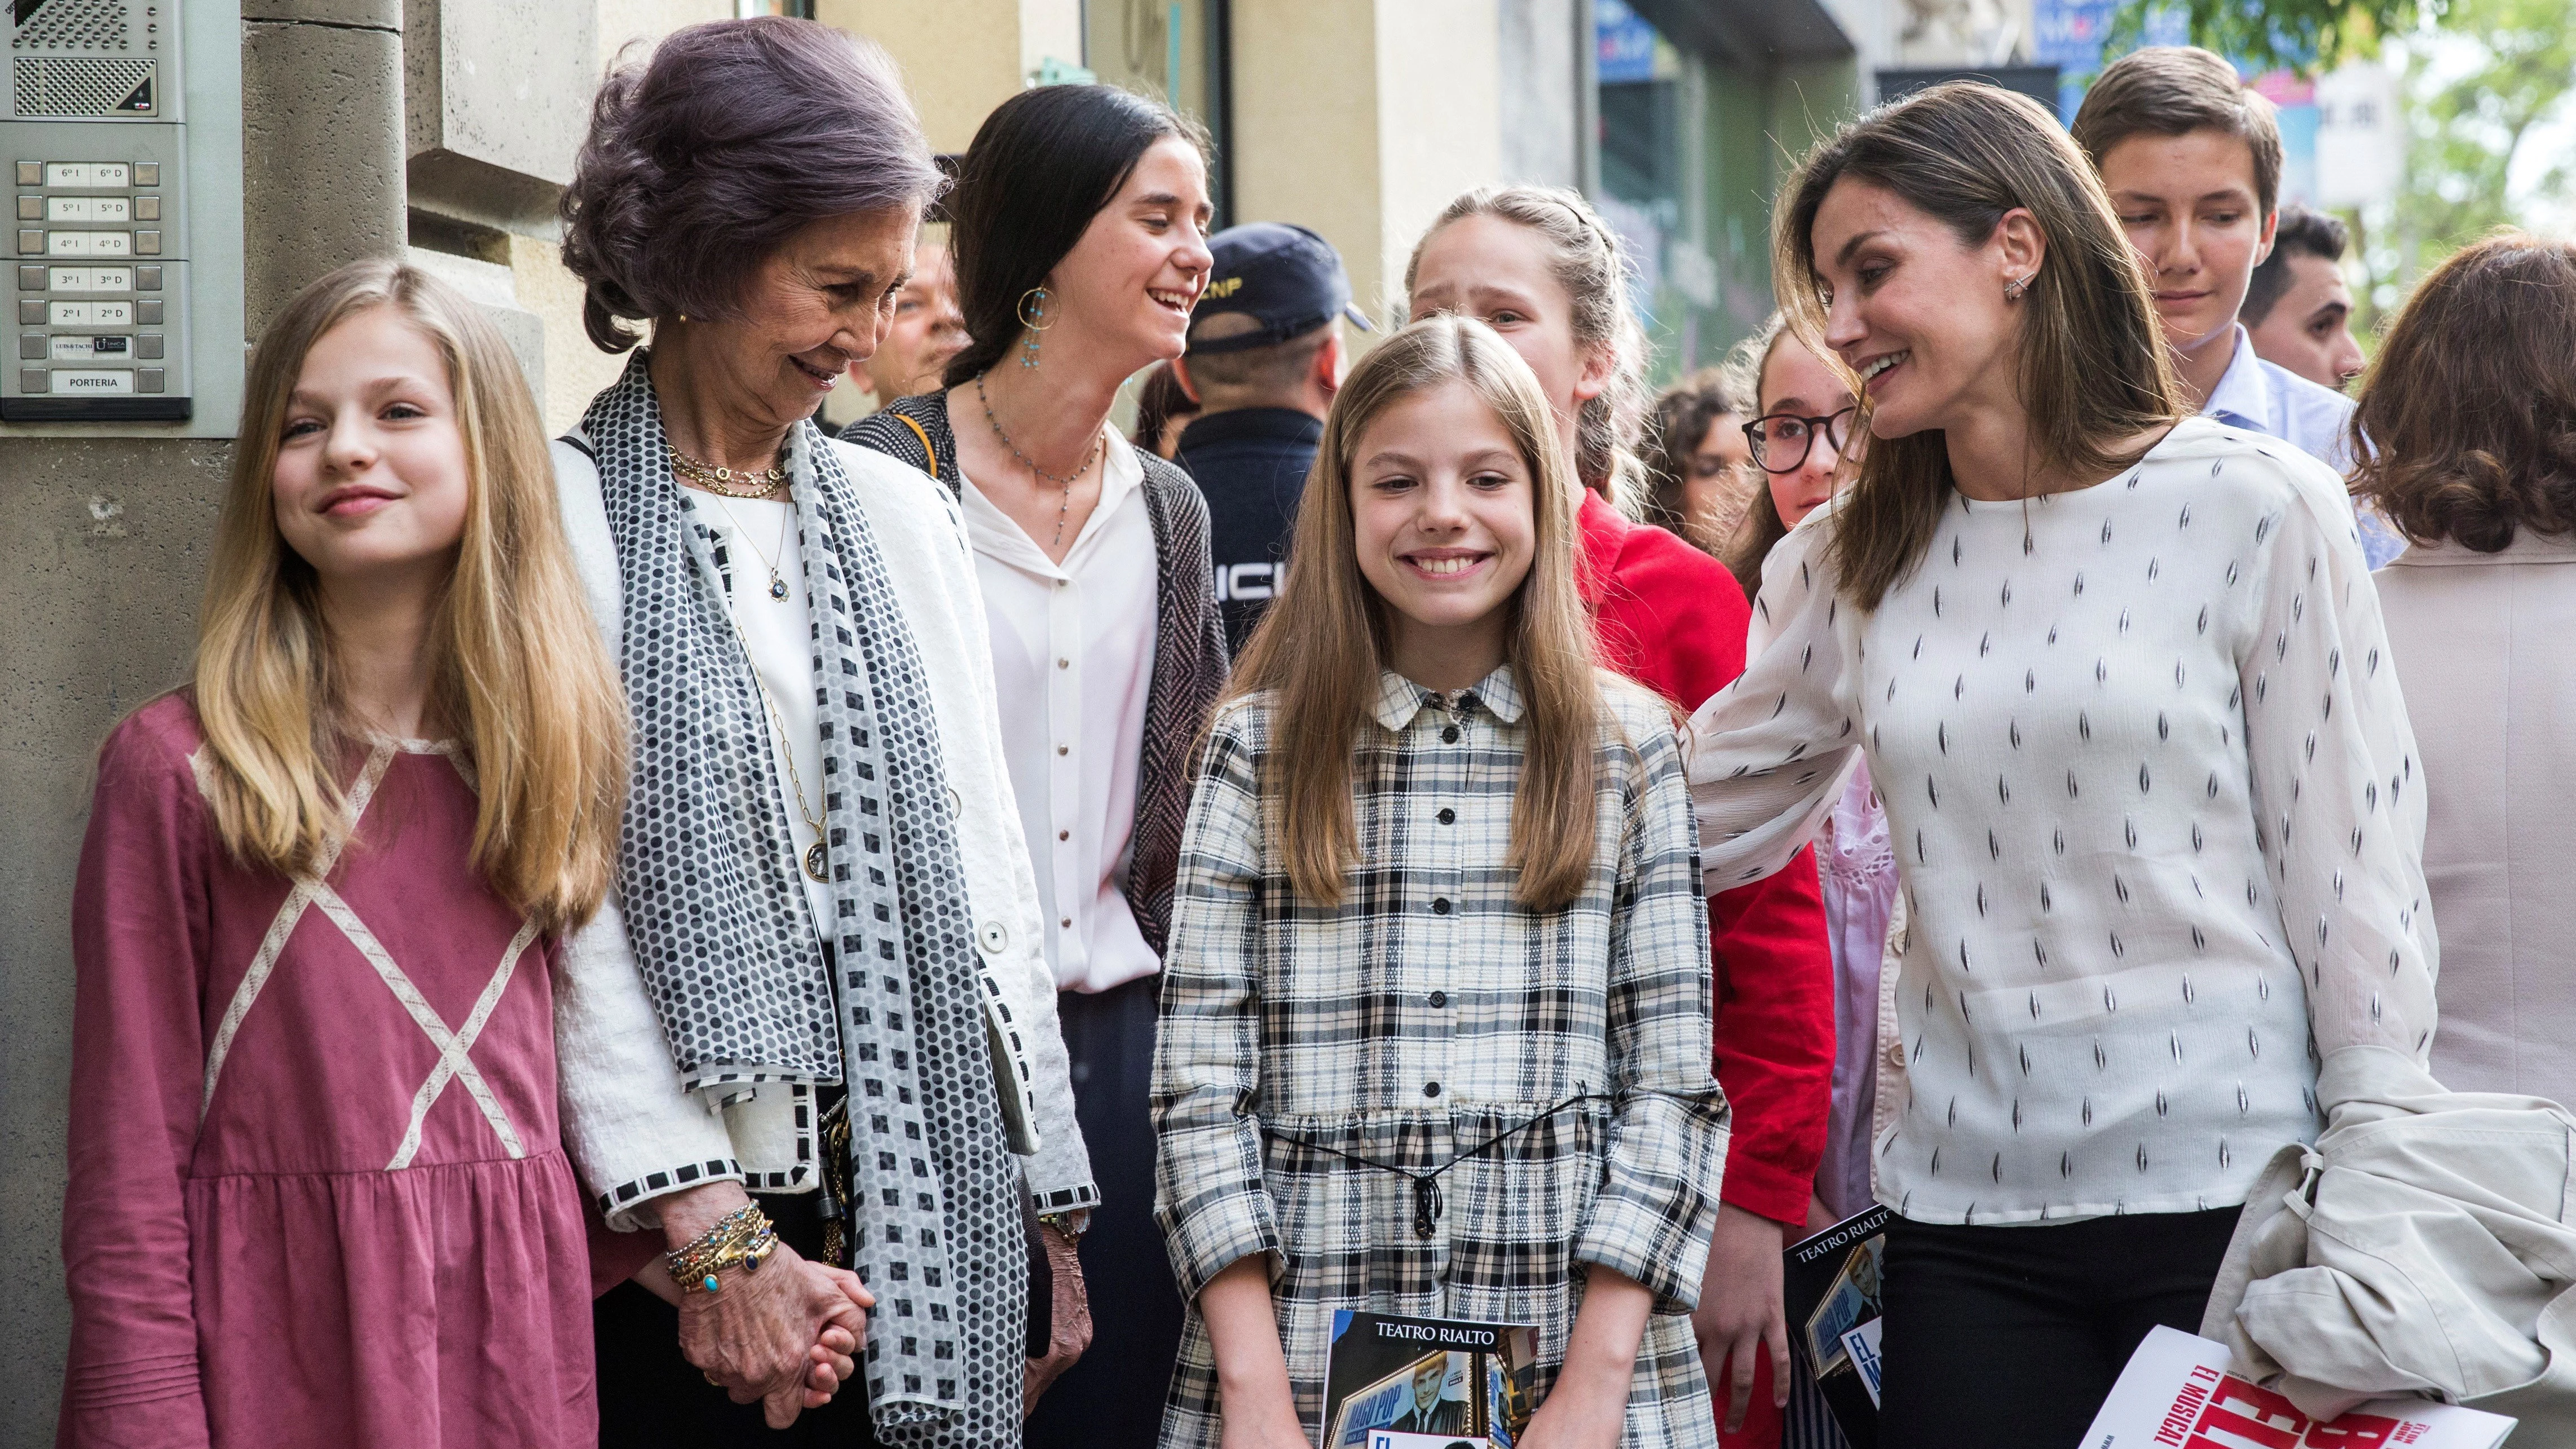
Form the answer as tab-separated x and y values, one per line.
2094	371
1040	168
2301	233
2467	425
1161	406
2173	90
701	162
1674	430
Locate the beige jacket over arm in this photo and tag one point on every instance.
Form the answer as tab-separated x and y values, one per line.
2485	646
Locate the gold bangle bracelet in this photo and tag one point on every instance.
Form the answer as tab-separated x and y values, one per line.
743	1238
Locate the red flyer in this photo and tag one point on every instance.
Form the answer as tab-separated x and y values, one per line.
2177	1393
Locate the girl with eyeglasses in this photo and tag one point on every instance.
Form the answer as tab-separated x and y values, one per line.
1803	419
1804	441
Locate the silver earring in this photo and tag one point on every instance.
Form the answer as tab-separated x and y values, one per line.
2014	288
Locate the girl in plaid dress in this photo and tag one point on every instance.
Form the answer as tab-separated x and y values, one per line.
1436	1017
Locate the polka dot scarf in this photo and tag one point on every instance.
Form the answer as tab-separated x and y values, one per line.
717	914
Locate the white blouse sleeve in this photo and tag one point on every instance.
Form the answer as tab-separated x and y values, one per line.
2338	801
1768	753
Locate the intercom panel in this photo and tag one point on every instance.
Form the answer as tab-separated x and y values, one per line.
104	233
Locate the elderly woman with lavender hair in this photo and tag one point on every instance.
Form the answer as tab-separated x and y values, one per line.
810	1050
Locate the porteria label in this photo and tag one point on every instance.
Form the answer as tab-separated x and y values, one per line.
92	379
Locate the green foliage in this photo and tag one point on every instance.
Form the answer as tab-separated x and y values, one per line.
2308	35
2500	68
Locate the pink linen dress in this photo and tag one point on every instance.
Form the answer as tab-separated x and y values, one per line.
316	1194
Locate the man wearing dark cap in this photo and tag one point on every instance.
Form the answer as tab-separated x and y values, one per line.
1265	354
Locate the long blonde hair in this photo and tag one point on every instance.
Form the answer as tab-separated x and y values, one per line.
1320	647
1592	267
519	673
2094	372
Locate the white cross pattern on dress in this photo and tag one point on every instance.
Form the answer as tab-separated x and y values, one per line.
454	1047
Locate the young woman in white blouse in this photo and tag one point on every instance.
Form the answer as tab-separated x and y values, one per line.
2121	680
1079	232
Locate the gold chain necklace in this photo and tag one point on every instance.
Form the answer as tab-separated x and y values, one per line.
762	481
1066	482
816	859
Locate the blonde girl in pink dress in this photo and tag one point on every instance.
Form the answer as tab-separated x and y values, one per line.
316	1195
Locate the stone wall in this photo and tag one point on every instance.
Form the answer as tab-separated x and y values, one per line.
108	540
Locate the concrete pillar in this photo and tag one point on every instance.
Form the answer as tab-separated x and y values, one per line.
1545	48
111	535
961	58
1361	119
322	141
496	100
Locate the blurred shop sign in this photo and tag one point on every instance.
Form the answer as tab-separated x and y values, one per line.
2361	143
2294	107
2072	35
1626	42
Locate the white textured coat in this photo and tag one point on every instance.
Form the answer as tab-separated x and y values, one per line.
625	1119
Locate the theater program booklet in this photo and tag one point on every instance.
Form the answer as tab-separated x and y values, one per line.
2178	1393
1829	1283
1427	1383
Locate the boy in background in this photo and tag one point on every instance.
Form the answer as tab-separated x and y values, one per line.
2192	160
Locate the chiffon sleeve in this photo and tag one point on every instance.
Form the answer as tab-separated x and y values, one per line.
1768	752
2338	800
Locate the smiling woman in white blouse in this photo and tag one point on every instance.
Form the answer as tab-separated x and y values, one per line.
1080	233
2121	679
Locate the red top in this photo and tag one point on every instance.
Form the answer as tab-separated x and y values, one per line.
1674	620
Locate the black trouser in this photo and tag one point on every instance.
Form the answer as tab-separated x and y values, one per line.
2012	1336
650	1397
1113	1399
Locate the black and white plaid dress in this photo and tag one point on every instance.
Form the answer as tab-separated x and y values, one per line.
1425	1014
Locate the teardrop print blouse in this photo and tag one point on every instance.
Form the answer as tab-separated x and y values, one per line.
2156	808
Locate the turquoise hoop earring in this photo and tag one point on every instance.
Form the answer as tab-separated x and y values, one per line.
1033	317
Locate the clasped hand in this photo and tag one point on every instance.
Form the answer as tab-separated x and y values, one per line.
785	1334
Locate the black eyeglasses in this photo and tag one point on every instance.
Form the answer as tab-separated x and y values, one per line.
1781	442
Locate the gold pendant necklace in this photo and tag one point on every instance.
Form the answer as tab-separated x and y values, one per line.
1065	507
816	861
